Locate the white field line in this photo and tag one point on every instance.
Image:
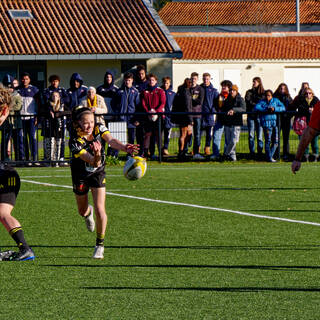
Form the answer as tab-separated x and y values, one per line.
40	191
66	176
184	204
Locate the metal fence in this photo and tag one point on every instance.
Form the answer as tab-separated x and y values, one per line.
14	139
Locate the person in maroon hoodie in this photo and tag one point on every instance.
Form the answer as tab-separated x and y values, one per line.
153	100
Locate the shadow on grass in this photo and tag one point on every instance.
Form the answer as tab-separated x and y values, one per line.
185	266
306	247
245	188
212	289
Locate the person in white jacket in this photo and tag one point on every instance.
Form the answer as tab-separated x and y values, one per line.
96	103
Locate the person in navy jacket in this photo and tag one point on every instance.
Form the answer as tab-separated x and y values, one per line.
127	101
141	82
54	81
30	105
197	93
210	95
267	109
77	91
170	94
108	91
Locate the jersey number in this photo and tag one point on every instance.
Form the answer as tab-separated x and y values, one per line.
11	181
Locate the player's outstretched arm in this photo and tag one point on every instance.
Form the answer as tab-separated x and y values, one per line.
118	145
308	134
4	115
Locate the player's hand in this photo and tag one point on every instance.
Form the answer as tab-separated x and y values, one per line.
96	147
295	166
5	112
132	148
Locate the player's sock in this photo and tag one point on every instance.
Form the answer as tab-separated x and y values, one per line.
18	236
100	239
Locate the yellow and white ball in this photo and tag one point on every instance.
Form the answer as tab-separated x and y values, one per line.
135	168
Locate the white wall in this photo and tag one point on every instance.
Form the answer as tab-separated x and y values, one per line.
242	73
294	76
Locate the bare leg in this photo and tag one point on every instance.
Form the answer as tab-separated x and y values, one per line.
82	203
99	196
182	138
6	218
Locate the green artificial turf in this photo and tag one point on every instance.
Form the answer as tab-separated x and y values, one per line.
169	260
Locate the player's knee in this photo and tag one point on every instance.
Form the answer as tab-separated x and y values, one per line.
83	211
101	213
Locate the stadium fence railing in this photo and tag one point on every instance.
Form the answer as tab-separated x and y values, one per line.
10	151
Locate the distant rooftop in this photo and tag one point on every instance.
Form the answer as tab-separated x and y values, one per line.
245	12
249	46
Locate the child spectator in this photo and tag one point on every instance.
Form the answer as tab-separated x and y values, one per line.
54	81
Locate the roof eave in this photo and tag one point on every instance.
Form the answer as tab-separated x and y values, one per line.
182	61
134	56
163	28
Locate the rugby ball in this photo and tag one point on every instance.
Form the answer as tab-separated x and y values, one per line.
135	168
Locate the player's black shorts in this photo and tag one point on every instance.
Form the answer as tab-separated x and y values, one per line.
9	185
82	184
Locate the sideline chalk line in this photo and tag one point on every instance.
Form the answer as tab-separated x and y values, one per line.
184	204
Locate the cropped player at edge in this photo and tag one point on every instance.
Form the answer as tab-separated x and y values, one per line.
9	189
87	170
312	130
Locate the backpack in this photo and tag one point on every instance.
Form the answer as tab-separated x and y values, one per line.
299	124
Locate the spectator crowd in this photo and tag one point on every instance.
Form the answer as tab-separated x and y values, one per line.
145	105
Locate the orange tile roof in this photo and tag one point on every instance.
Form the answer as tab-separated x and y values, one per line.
246	46
250	12
81	27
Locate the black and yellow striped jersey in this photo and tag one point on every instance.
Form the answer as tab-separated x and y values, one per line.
79	145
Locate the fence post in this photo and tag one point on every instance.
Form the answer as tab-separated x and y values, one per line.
279	135
159	138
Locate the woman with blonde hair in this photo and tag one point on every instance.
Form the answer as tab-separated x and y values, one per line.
304	105
87	170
